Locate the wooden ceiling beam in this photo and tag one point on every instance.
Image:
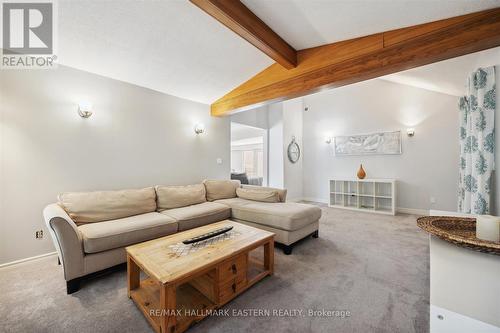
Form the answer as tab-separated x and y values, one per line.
364	58
237	17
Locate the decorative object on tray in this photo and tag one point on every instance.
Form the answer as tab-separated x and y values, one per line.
180	249
293	151
488	228
361	172
381	143
207	235
460	231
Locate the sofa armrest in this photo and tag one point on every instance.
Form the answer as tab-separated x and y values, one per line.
67	240
281	192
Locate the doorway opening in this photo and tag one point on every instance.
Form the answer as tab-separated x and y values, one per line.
248	154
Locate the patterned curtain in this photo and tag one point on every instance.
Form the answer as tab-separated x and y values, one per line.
477	142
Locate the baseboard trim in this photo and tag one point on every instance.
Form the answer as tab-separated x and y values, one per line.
412	211
27	259
402	210
315	200
434	212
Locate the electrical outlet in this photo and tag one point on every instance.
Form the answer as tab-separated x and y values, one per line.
219	160
39	234
433	200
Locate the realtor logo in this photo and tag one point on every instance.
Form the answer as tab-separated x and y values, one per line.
28	35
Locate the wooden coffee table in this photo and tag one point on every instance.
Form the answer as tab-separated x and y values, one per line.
186	283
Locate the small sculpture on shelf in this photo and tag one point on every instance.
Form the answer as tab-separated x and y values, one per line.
361	172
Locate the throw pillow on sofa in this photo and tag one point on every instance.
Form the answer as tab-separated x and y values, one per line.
89	207
281	192
221	189
169	197
258	195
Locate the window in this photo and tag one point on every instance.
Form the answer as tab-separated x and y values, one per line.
247	153
252	164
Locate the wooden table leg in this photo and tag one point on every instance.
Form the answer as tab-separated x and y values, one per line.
133	275
269	256
168	305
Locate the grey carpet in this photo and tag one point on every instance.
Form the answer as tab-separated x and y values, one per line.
376	267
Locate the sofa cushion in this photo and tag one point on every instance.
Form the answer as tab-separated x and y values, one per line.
281	215
168	197
113	234
197	215
281	192
89	207
258	195
221	189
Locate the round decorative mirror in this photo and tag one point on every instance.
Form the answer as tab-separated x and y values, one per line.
293	151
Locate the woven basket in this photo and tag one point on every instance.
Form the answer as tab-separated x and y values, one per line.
460	231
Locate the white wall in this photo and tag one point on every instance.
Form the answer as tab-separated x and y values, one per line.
136	138
292	127
465	282
428	166
256	117
276	154
463	286
240	132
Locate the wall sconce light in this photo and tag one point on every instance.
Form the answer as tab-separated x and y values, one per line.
328	140
199	128
85	109
410	132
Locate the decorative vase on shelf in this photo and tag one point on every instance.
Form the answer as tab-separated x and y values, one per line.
361	172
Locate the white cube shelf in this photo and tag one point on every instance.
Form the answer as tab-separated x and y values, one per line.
371	195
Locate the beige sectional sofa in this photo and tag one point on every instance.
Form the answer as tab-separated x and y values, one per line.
90	230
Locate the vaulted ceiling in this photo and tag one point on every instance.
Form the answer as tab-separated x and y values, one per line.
449	76
169	46
173	47
310	23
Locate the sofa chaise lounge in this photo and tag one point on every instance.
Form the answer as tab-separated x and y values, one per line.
90	230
